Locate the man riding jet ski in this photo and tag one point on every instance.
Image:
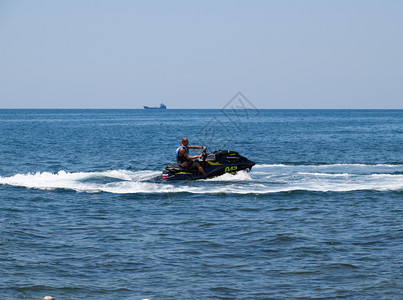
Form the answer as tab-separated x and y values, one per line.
204	165
185	161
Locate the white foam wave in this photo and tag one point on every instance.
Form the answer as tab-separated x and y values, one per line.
326	174
263	181
328	165
240	176
81	181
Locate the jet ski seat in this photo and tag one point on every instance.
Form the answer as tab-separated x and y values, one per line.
175	168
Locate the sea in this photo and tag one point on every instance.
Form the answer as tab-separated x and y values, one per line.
320	215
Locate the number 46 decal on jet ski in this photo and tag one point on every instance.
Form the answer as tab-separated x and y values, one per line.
231	169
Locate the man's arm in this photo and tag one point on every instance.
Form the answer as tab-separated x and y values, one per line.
186	155
197	147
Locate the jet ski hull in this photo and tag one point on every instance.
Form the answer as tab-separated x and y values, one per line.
215	164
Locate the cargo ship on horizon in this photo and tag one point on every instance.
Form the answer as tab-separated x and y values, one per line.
162	106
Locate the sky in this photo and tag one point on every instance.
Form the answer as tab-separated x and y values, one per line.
291	54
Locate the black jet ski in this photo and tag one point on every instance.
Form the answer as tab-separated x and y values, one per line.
214	164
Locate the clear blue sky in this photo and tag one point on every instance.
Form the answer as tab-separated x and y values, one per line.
198	54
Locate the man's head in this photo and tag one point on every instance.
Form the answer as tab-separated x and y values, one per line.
185	142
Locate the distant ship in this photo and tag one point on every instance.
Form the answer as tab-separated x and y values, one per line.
162	106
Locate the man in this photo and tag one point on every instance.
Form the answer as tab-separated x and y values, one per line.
183	158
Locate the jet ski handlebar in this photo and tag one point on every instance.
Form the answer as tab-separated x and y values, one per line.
204	154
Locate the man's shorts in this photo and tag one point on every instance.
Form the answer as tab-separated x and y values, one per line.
189	166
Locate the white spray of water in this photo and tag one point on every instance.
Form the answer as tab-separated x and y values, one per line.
263	179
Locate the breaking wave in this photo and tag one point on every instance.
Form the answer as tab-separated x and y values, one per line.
263	179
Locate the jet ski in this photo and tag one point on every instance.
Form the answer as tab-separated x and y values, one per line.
214	164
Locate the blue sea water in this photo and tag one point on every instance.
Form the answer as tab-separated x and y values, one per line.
318	217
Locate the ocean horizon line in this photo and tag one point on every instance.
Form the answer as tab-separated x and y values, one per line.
318	109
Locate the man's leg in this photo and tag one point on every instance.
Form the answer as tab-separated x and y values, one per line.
196	164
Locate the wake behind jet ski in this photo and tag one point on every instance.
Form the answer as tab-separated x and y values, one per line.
214	164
